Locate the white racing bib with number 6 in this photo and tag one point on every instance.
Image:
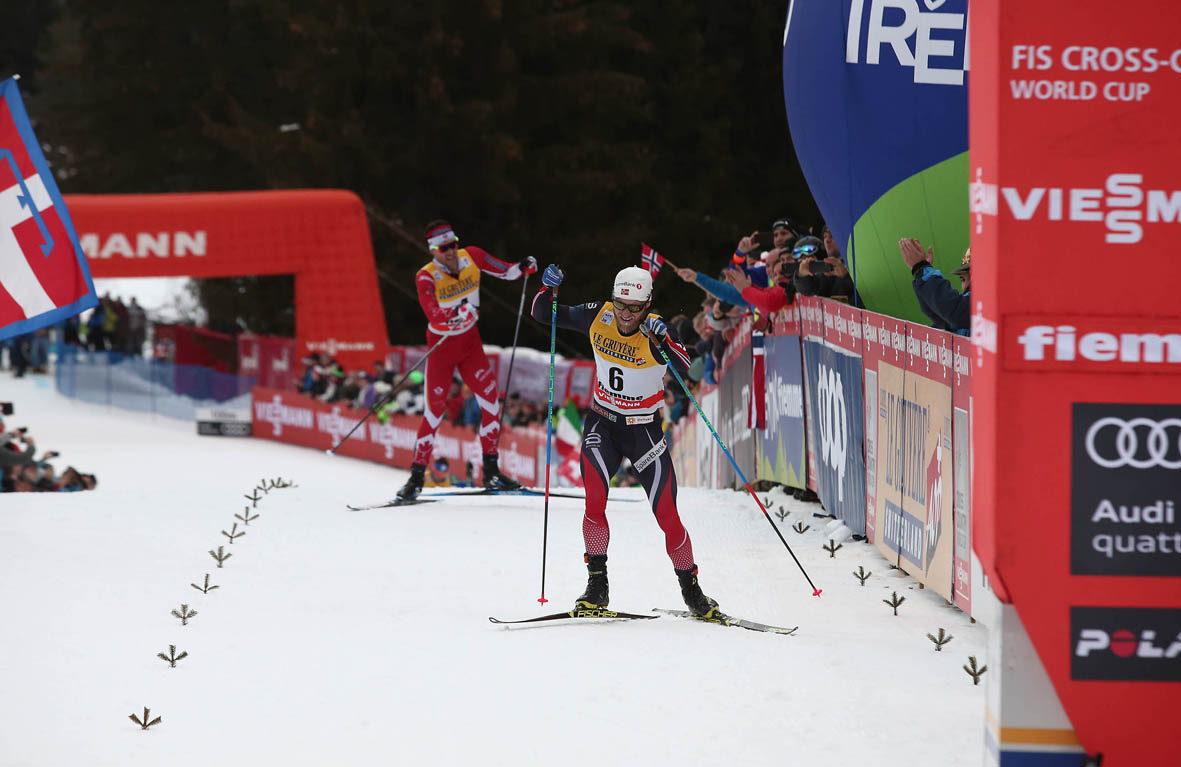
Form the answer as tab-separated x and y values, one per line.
629	379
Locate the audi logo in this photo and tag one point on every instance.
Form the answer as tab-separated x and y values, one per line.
1127	448
833	424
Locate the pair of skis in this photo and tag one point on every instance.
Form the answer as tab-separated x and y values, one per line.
432	497
601	612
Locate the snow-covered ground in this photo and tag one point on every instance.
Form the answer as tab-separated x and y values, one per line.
363	638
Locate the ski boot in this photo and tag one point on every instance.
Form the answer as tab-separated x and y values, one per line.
493	479
698	603
596	595
413	486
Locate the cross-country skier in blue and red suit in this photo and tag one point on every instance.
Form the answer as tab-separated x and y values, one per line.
624	421
449	293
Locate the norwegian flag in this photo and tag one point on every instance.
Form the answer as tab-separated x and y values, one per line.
756	414
44	278
650	259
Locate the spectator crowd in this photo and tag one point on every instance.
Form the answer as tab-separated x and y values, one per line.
21	471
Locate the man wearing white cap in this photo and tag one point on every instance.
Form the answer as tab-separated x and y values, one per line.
623	421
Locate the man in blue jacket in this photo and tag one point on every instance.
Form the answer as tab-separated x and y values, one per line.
948	308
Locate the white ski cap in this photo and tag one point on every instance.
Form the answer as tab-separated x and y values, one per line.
633	283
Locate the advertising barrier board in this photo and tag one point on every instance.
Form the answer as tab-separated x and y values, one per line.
913	524
781	450
835	407
883	342
734	393
961	431
298	420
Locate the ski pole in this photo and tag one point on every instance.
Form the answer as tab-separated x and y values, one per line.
549	433
660	348
512	357
389	396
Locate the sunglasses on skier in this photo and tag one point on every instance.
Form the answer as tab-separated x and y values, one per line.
447	246
633	308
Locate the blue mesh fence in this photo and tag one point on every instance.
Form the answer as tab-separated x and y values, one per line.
138	383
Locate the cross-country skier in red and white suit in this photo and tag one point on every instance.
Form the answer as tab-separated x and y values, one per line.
449	293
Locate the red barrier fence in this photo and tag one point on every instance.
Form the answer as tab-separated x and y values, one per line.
298	420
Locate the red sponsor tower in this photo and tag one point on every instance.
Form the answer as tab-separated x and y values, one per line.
1077	375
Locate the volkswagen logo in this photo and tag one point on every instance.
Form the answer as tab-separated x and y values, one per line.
1140	443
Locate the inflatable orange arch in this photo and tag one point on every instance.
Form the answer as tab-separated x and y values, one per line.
319	235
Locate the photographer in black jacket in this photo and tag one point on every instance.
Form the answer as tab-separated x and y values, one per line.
818	275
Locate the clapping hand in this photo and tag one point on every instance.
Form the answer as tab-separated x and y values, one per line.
912	252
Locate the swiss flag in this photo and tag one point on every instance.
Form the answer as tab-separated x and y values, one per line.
44	278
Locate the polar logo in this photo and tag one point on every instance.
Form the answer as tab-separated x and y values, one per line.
1124	644
1140	644
936	59
833	424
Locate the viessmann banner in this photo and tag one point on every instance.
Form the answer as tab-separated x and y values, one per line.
298	420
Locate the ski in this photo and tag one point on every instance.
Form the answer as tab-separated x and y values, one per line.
726	620
520	491
388	504
582	613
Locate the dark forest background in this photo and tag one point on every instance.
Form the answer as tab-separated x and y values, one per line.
567	130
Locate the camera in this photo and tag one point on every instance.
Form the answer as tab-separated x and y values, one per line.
5	408
820	267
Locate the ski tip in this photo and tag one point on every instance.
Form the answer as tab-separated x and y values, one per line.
816	593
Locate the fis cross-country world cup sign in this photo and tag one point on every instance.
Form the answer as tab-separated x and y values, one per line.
877	102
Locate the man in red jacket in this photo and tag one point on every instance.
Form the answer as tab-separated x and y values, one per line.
449	293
